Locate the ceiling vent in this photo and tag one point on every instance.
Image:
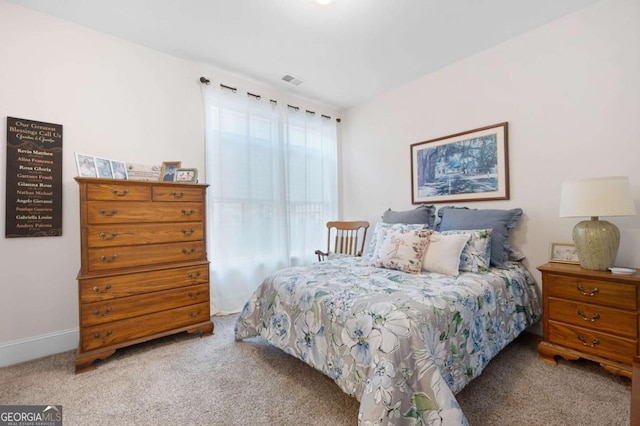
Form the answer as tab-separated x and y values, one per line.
292	80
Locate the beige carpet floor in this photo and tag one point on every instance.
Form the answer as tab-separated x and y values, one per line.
216	381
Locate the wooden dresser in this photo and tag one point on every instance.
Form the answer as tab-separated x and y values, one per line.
592	315
144	271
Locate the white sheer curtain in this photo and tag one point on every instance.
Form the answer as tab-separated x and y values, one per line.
272	173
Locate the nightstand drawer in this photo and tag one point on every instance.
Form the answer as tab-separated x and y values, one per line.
591	342
615	295
594	317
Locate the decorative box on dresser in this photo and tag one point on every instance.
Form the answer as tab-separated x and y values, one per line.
592	315
144	271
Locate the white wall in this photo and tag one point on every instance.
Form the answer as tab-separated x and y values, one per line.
116	100
571	93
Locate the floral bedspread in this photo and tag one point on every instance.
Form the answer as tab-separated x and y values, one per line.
402	344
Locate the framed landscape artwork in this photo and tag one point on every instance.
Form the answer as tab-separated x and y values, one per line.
467	166
563	253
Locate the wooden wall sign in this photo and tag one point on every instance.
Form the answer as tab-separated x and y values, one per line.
34	179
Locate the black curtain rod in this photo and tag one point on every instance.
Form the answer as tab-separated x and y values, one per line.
206	81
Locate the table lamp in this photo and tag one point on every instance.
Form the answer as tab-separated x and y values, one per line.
597	241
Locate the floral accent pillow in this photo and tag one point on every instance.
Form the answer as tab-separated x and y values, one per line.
476	254
380	231
443	253
403	249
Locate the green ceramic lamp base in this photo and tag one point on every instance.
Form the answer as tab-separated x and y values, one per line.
597	243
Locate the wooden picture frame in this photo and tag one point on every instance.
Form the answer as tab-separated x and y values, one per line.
186	175
560	252
466	166
168	170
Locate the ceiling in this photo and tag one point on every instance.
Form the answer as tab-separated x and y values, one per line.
345	53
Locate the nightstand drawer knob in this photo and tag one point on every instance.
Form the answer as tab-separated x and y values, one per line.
594	317
193	276
589	293
174	194
189	212
593	343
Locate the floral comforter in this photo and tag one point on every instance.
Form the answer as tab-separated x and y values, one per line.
402	344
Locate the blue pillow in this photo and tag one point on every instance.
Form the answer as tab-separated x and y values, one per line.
501	221
423	214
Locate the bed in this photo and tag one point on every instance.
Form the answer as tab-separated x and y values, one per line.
402	343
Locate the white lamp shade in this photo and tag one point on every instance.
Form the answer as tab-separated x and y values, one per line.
602	196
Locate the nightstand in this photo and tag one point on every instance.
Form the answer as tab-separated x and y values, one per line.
590	314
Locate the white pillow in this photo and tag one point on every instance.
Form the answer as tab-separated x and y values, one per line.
443	253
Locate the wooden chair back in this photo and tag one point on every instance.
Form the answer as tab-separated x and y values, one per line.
345	238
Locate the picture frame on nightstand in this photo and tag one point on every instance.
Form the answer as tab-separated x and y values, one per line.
563	253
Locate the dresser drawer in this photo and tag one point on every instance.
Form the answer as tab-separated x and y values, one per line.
592	342
117	191
133	306
131	212
615	295
127	234
107	258
172	193
117	332
594	317
106	288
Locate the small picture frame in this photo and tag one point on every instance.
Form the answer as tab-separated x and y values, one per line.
168	171
119	169
186	175
86	165
103	168
563	253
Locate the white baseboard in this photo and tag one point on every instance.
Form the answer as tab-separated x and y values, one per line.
30	348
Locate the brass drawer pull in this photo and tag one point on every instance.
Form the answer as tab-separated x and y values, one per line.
188	213
113	258
188	252
113	212
593	343
197	314
96	312
188	233
174	194
594	317
591	293
193	276
103	338
106	289
104	236
195	296
120	194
